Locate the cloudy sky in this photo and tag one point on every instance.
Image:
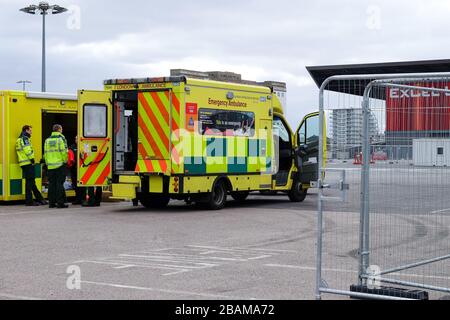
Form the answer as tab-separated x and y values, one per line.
262	40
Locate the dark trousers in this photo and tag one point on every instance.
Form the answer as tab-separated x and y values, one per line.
95	195
80	192
30	185
56	192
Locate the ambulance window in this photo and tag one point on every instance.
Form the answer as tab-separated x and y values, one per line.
214	122
94	121
280	130
312	130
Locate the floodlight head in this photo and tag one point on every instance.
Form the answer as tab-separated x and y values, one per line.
57	9
44	6
30	9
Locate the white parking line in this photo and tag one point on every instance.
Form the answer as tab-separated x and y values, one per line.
244	250
125	267
177	258
189	293
14	297
440	211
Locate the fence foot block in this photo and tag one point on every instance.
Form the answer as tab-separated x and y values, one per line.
391	292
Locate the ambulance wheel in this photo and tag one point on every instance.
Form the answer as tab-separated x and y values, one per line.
240	196
154	201
297	193
218	196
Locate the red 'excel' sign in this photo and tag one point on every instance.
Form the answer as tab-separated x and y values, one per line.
418	109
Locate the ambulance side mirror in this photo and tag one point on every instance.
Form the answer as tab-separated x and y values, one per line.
302	150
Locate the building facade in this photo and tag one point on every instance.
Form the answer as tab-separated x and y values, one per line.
346	131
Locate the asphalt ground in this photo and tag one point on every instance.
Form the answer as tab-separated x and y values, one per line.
246	251
264	248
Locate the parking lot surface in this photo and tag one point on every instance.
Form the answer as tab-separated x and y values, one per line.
260	249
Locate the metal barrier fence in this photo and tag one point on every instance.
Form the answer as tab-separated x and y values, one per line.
384	211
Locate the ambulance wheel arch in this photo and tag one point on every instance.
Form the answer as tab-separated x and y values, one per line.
219	193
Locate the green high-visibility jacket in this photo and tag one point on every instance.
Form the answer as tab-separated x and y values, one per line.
55	151
24	149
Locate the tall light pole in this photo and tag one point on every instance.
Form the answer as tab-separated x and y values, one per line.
44	9
24	83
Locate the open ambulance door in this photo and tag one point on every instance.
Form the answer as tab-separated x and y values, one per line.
307	151
94	138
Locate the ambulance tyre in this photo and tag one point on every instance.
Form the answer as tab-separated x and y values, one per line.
240	196
297	193
154	201
218	196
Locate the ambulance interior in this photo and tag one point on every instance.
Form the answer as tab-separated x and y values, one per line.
283	151
125	131
69	123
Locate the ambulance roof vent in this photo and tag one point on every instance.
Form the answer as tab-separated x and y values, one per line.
143	80
225	76
51	96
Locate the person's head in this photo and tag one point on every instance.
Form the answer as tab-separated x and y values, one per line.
57	128
27	129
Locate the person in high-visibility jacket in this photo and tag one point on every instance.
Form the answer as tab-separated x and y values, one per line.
56	157
25	155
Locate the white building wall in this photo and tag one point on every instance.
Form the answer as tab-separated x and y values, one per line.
426	152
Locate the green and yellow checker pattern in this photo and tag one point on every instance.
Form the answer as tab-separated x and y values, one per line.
17	180
229	155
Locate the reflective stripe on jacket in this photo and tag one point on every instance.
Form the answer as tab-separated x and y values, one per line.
24	150
55	151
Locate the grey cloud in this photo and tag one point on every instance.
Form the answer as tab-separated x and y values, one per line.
261	39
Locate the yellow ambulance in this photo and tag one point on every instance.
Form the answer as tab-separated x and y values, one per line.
198	140
41	111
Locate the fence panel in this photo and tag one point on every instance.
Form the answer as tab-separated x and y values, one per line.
384	209
341	193
409	183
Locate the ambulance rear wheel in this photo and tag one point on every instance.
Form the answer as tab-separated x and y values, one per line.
154	201
218	196
240	196
297	193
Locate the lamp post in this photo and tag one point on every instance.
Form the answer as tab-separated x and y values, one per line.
44	9
24	83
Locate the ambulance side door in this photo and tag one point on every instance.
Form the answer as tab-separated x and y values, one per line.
307	150
94	138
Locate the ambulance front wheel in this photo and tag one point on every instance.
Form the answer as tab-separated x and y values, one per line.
297	193
154	201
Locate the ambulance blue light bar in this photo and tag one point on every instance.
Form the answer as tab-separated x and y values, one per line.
144	80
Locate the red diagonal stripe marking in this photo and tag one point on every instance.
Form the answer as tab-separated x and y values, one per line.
149	137
142	151
163	165
175	156
162	108
92	168
176	105
155	122
176	102
104	175
149	165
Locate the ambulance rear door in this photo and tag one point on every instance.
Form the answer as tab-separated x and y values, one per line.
94	138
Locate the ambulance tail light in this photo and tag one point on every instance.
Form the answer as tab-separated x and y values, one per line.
176	184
